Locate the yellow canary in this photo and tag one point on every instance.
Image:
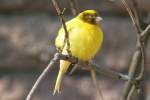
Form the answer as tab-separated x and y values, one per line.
85	37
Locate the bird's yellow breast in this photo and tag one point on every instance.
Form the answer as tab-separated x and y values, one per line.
85	39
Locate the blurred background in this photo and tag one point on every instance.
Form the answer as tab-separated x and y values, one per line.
27	32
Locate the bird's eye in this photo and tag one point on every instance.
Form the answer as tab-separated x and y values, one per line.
90	16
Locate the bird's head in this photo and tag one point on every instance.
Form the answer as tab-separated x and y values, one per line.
89	16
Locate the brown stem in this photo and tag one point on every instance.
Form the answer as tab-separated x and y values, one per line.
136	68
74	7
62	18
58	56
94	79
41	77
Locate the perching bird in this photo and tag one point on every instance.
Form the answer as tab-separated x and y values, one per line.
85	37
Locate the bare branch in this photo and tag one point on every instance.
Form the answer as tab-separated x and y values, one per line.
72	59
132	93
101	70
134	14
74	7
94	79
137	14
61	16
108	72
143	37
137	63
130	12
41	77
136	68
145	33
56	58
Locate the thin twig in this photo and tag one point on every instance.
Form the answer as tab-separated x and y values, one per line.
62	18
130	12
41	77
137	64
145	33
59	56
137	14
131	93
74	7
53	62
136	68
101	70
136	61
108	72
94	79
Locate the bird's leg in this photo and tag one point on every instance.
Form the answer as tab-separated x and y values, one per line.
85	65
74	67
69	52
58	49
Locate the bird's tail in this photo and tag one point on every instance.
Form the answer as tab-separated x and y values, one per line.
64	65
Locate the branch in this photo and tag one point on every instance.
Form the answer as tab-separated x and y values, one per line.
136	68
74	7
59	56
41	77
133	14
137	60
53	62
130	12
94	79
137	14
101	70
108	72
61	16
145	33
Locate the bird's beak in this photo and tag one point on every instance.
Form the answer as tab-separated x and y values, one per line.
98	19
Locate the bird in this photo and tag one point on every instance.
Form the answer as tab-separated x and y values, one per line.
85	38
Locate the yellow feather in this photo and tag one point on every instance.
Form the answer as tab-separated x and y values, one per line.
85	37
64	65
